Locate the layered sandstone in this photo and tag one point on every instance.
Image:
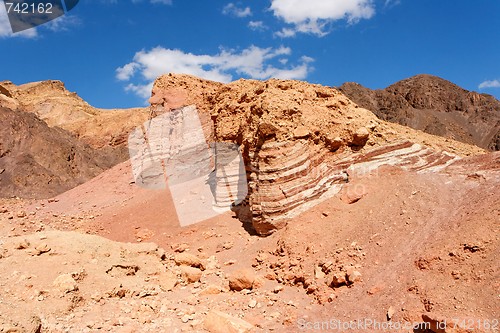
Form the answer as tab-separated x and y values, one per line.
297	139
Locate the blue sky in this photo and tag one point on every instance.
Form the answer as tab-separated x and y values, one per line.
110	51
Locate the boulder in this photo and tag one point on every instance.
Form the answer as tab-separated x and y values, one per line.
65	283
360	137
188	260
190	274
241	279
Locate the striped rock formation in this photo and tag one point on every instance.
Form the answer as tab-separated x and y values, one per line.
299	141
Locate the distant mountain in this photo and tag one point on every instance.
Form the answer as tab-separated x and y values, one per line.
51	102
435	106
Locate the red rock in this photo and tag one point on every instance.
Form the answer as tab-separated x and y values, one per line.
65	283
353	275
338	280
188	260
352	193
241	279
190	274
360	137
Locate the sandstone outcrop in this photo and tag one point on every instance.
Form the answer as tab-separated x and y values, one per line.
297	139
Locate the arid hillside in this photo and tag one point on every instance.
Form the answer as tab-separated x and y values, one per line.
38	161
58	107
435	106
348	220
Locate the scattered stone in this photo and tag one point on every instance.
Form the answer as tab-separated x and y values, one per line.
456	275
212	263
277	289
224	246
219	322
210	290
338	280
353	193
3	210
275	314
65	283
301	132
190	274
252	304
188	260
34	325
473	247
334	144
168	281
22	245
241	279
372	125
318	273
180	247
21	214
39	250
353	275
142	234
118	271
360	137
390	313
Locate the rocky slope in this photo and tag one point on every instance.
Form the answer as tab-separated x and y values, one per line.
294	137
37	161
435	106
414	247
58	107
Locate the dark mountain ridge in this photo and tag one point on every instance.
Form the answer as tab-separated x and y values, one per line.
436	106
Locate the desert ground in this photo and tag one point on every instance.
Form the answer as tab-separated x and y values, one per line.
408	242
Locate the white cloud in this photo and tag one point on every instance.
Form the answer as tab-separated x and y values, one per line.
63	23
392	3
253	62
257	25
490	84
232	9
313	15
126	72
6	30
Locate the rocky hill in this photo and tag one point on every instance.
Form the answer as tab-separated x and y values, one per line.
435	106
37	161
58	107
